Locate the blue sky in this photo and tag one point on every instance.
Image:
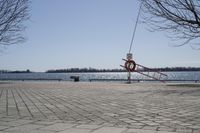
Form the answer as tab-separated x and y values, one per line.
91	33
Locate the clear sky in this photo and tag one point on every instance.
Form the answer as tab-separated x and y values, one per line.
91	33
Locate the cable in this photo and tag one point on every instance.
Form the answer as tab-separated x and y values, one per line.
135	28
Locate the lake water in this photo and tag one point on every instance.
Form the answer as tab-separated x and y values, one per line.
87	76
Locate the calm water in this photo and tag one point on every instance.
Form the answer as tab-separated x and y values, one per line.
87	76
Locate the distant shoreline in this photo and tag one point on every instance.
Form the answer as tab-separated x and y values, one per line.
94	70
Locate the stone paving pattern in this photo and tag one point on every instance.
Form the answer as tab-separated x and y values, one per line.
67	107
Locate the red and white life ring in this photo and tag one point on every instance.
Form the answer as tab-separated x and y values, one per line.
130	65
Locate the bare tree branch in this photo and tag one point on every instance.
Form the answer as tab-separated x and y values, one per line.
181	18
12	15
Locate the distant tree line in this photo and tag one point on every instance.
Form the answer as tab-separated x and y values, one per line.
91	70
7	71
177	69
80	70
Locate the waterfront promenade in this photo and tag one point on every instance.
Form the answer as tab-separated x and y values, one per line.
98	107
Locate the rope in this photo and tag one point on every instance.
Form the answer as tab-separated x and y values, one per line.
134	31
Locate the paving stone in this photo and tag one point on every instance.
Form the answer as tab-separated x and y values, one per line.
140	131
23	128
58	127
184	130
46	123
166	129
150	128
7	119
196	131
18	122
76	130
88	126
194	127
3	127
109	130
41	131
163	132
3	123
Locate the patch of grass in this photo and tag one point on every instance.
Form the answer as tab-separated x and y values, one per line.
184	85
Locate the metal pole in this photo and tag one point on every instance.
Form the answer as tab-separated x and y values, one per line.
129	77
129	57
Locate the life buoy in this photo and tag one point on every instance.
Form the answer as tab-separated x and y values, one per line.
130	65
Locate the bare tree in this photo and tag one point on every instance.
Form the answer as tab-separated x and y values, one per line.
181	18
12	15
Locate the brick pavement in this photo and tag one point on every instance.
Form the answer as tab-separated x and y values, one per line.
66	107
